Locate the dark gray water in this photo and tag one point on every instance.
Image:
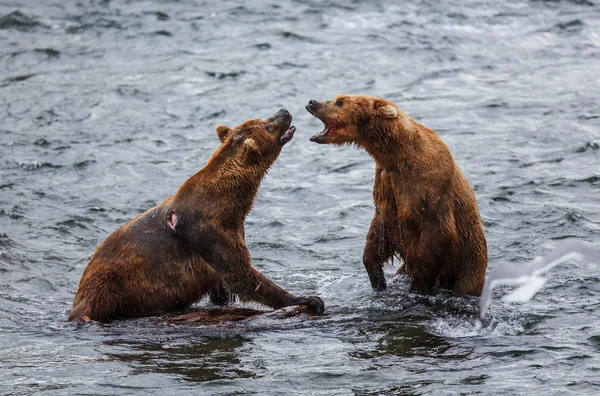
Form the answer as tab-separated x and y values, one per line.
106	107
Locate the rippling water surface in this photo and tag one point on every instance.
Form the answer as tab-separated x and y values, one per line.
106	107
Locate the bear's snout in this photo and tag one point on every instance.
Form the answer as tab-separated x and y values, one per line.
279	126
311	107
281	116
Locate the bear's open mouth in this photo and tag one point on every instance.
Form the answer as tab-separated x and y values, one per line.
287	135
318	137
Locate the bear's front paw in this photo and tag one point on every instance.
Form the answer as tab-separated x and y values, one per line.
314	303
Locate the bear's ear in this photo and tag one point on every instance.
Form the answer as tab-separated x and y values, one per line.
388	111
222	132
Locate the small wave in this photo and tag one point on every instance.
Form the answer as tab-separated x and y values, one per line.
578	2
592	179
5	241
572	183
555	160
164	33
49	52
82	164
461	327
213	115
161	16
42	142
496	104
501	199
267	245
516	353
575	25
35	164
593	145
223	76
129	91
345	168
76	221
102	23
19	21
289	65
46	117
573	216
20	78
331	238
298	37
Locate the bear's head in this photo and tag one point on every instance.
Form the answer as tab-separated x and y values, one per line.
256	142
354	119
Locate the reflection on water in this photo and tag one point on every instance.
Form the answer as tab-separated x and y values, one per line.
404	340
212	358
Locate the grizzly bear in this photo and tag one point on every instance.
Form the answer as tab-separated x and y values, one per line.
192	244
425	209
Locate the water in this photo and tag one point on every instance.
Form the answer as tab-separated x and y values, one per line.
106	107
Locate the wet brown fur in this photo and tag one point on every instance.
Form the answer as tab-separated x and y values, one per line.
425	209
146	267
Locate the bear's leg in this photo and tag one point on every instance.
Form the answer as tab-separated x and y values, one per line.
446	282
220	295
423	262
470	277
422	285
230	259
103	295
469	285
378	250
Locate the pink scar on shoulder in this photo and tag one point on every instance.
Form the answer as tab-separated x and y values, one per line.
173	220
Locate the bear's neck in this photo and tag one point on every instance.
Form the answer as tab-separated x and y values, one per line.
409	151
223	190
394	148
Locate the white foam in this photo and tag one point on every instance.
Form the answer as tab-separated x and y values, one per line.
461	327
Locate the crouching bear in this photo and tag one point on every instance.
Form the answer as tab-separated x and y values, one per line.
192	244
425	209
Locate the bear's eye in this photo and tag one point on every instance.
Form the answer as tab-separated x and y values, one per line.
339	103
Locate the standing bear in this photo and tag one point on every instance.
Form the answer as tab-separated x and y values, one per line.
192	244
425	209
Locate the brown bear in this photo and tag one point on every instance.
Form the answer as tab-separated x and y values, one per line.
425	209
192	244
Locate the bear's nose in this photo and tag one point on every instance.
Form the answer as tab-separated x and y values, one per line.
312	102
